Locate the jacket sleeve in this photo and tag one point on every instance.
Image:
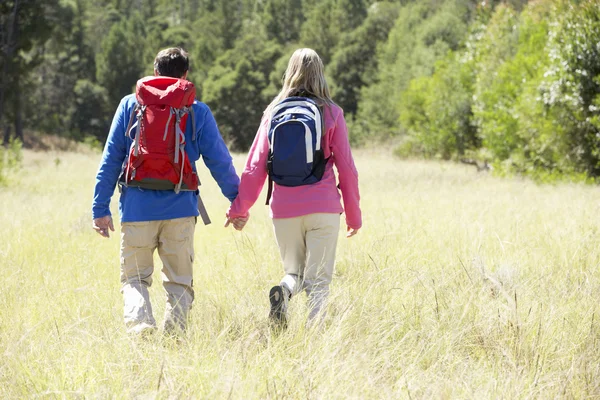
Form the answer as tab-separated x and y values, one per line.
217	158
115	152
348	175
254	175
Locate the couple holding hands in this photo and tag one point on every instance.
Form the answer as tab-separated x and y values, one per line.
306	217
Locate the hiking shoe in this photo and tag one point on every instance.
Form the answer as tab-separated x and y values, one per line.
142	329
278	306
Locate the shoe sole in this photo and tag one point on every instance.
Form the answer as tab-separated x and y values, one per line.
276	299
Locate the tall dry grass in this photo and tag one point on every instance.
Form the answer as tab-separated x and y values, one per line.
460	285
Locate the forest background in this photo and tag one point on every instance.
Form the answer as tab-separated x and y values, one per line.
512	83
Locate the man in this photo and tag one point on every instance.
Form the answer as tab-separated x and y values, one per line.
159	219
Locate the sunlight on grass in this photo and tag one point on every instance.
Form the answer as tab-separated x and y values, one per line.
460	285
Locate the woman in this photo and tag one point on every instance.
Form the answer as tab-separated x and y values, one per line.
306	218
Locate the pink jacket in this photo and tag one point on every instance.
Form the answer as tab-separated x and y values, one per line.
320	197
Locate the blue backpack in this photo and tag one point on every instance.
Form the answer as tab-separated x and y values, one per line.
295	130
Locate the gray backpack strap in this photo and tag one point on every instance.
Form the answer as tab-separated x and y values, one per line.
167	125
179	148
202	211
130	124
193	116
140	114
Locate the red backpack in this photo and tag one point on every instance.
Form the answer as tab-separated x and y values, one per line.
157	159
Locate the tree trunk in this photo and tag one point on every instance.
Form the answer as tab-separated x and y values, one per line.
2	82
17	81
6	135
9	45
18	110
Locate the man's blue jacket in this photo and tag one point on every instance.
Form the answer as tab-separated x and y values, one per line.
150	205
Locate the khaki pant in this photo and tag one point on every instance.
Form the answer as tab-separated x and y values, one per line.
307	245
174	240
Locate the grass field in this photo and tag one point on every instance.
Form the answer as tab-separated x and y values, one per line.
460	285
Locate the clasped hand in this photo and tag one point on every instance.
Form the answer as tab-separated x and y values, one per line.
238	223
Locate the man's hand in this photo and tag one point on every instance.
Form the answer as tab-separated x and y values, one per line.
102	225
351	232
238	223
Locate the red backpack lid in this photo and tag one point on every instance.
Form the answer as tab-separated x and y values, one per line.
164	90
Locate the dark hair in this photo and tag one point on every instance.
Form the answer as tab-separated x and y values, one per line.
173	62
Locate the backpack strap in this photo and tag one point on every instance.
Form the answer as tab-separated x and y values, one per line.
269	190
322	112
137	112
202	210
130	124
179	145
177	137
167	125
139	115
193	115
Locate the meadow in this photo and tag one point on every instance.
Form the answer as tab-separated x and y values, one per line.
460	285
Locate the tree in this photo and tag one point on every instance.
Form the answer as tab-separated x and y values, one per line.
327	21
25	26
121	62
88	113
67	58
437	110
235	84
494	90
283	20
571	91
354	63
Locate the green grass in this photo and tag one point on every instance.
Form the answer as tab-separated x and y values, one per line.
460	285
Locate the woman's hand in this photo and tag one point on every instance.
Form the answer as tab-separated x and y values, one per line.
238	223
351	232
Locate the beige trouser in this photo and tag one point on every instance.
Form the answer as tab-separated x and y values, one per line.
307	245
174	239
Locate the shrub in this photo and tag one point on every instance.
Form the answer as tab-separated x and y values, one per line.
11	159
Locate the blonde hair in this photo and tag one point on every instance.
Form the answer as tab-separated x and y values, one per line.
304	74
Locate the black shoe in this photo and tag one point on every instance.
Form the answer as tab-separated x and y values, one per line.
278	306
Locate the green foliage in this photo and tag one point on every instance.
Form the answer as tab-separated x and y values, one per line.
235	84
571	86
354	64
231	19
326	23
535	89
539	142
283	19
520	94
512	82
318	32
209	44
276	76
99	19
11	159
86	115
67	58
93	143
25	27
423	33
436	111
496	88
119	65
